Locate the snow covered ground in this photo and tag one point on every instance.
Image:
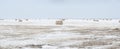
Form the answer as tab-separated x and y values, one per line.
81	34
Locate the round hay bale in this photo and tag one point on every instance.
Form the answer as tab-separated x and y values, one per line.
59	22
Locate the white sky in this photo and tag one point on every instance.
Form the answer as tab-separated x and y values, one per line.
59	8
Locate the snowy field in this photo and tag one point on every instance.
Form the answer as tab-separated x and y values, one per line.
91	36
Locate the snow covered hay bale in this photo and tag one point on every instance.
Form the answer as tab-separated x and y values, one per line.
59	22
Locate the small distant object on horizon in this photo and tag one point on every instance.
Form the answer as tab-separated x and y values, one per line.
59	22
18	20
96	20
26	19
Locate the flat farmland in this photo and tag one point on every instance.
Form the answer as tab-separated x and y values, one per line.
58	37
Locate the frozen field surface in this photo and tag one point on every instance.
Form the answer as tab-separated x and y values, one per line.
58	37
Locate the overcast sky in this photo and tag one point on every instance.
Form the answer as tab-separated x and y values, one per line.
59	8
